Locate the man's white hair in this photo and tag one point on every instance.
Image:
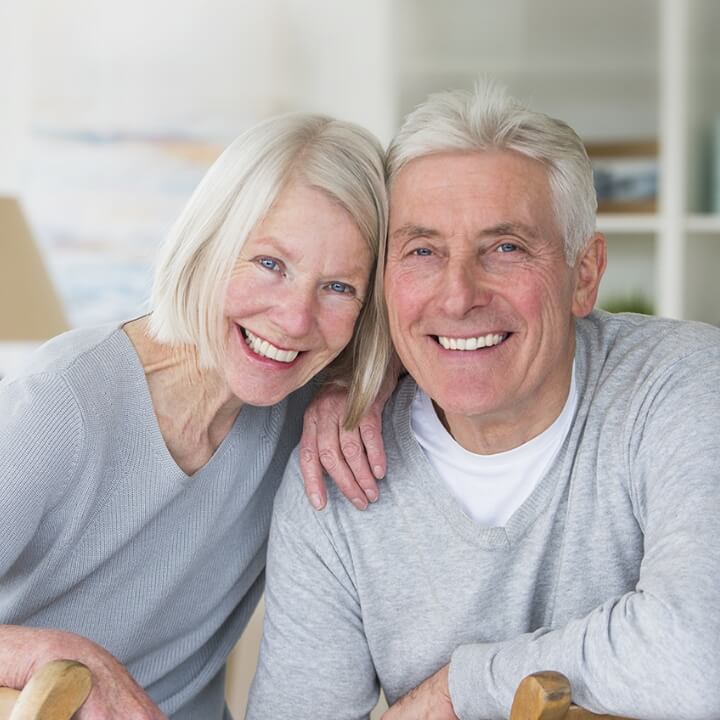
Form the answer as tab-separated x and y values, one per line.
489	118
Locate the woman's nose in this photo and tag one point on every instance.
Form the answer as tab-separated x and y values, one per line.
297	313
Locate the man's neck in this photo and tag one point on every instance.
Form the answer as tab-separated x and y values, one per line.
500	432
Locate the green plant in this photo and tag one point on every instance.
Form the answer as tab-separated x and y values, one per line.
635	303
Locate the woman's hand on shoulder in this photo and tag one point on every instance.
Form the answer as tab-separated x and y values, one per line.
354	459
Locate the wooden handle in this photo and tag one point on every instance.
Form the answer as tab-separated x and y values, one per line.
547	696
8	698
54	692
542	696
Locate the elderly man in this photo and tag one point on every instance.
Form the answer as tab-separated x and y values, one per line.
553	472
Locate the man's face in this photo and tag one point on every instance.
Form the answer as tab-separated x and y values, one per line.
480	297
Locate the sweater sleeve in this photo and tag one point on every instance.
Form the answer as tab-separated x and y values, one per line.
653	652
314	659
40	437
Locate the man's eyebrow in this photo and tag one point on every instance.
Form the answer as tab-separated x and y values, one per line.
410	230
500	229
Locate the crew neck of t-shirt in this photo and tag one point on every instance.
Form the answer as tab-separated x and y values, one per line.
489	487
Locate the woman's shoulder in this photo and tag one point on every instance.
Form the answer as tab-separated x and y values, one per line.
44	396
60	352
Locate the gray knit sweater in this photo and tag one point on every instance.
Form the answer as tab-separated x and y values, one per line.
102	533
609	572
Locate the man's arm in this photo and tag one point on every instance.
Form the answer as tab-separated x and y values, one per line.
314	659
653	652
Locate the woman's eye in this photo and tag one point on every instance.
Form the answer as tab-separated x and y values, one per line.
341	288
269	263
422	252
507	247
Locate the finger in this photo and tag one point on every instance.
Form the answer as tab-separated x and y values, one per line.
353	450
328	430
310	465
332	459
372	440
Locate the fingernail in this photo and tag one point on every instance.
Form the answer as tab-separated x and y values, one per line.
359	504
372	495
378	472
316	501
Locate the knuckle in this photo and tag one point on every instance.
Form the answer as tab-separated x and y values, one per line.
351	449
369	433
328	459
307	455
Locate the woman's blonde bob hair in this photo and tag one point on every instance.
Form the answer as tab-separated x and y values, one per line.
338	158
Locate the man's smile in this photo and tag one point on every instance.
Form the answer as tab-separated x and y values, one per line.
471	343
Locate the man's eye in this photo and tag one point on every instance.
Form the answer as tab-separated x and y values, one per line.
269	263
341	288
507	247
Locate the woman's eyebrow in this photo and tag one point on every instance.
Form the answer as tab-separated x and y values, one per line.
288	250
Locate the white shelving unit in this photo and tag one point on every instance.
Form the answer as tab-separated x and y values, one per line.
616	71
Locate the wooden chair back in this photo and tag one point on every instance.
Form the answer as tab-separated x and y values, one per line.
547	696
55	692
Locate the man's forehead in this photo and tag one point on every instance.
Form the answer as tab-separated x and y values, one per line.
435	166
495	190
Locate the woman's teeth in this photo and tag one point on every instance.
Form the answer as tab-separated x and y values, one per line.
471	343
264	348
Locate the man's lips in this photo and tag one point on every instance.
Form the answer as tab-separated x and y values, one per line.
472	342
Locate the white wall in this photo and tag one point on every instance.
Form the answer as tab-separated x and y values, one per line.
14	83
210	67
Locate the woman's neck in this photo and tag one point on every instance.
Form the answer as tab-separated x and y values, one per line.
193	405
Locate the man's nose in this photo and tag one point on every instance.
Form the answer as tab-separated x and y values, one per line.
464	287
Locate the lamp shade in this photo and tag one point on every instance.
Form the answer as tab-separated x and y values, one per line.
29	306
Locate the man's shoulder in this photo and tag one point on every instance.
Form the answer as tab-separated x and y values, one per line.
339	515
628	340
336	525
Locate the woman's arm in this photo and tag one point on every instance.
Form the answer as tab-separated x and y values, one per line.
114	694
40	445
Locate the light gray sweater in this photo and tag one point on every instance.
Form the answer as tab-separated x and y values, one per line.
609	572
105	536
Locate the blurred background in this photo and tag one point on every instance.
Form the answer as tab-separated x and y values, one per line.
111	112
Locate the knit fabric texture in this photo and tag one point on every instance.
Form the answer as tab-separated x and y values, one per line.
105	536
609	572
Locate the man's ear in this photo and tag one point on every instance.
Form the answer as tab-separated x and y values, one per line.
589	268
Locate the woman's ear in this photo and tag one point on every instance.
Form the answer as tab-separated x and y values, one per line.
589	268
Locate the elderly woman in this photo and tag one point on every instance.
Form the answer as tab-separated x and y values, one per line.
139	463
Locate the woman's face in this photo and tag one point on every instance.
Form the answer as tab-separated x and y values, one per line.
294	295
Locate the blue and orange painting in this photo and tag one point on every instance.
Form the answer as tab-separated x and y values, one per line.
100	205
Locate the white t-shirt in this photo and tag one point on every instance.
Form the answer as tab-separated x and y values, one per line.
490	487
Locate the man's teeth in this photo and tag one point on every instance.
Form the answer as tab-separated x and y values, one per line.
471	343
264	348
